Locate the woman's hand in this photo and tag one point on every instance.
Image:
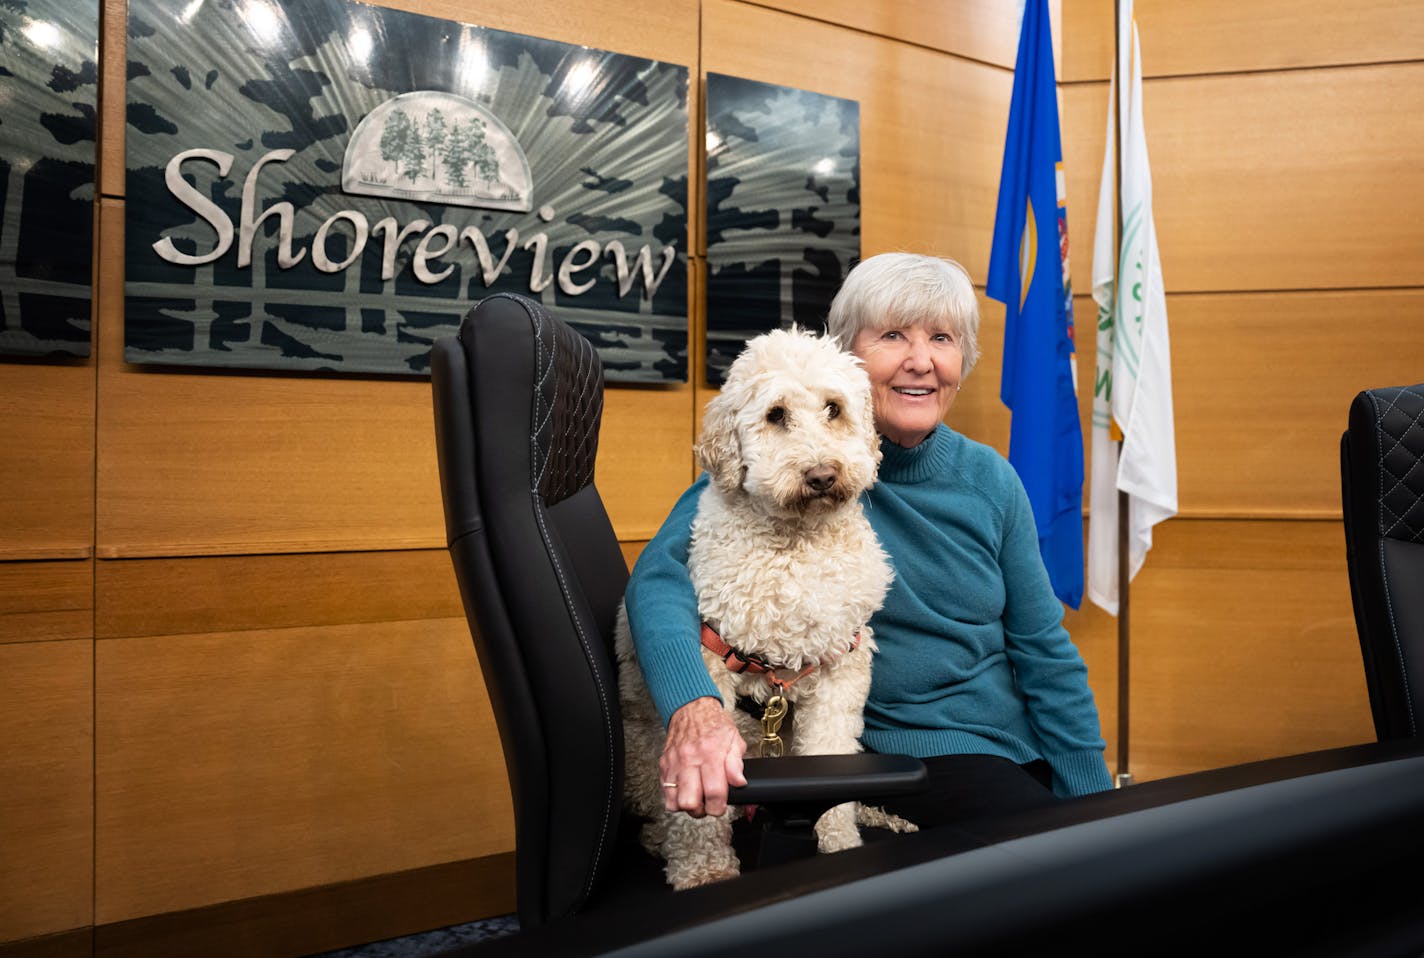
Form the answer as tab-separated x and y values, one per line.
703	755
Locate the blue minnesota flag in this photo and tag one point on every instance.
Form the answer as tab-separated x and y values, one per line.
1028	273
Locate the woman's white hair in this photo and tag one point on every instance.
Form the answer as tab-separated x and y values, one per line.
907	289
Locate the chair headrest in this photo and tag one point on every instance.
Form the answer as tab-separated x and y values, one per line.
1391	421
519	354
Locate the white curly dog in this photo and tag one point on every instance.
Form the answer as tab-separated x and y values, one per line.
787	572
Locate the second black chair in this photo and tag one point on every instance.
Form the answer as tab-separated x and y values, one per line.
1382	485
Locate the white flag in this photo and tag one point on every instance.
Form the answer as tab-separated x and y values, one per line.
1133	385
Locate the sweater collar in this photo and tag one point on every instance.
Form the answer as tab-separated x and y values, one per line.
918	463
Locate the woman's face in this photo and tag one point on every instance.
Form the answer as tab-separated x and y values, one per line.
914	376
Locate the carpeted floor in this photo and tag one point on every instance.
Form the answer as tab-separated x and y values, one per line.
431	942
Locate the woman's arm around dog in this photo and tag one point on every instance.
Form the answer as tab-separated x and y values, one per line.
703	752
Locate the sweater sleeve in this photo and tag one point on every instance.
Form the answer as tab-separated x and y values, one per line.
1049	670
662	613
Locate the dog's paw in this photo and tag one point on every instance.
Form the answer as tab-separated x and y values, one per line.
698	851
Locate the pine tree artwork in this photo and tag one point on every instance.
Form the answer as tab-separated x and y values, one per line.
436	153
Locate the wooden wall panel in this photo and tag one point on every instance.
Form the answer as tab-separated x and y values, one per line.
663	31
1293	180
1226	36
46	787
46	601
273	592
631	551
47	483
1262	385
978	412
236	764
1243	646
1094	632
219	463
1083	119
644	455
113	110
967	28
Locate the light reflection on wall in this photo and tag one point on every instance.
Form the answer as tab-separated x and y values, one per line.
42	34
263	19
473	61
361	44
578	81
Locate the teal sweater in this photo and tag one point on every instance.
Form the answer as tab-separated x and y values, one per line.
973	657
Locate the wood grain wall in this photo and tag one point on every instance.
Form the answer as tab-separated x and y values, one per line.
1288	211
233	665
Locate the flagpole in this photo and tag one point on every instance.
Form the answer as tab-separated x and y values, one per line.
1124	683
1124	577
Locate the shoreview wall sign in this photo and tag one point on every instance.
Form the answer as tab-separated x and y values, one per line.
330	186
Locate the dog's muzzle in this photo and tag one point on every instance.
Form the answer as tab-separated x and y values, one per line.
821	479
822	487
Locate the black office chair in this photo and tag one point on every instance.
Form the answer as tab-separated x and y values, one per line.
518	398
1382	488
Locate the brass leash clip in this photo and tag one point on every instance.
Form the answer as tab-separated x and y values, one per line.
771	745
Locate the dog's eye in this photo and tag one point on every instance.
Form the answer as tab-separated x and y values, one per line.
776	415
833	409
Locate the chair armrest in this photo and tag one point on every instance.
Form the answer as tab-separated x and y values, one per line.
828	779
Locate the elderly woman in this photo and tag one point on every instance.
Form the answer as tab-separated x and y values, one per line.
975	673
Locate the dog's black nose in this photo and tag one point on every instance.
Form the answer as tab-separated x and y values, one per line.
821	478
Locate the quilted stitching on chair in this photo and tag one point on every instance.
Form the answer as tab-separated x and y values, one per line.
1399	417
568	404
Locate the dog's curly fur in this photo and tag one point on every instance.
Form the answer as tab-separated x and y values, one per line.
785	566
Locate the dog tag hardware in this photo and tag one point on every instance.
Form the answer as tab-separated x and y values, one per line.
771	745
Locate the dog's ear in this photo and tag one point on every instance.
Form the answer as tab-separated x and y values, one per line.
718	448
